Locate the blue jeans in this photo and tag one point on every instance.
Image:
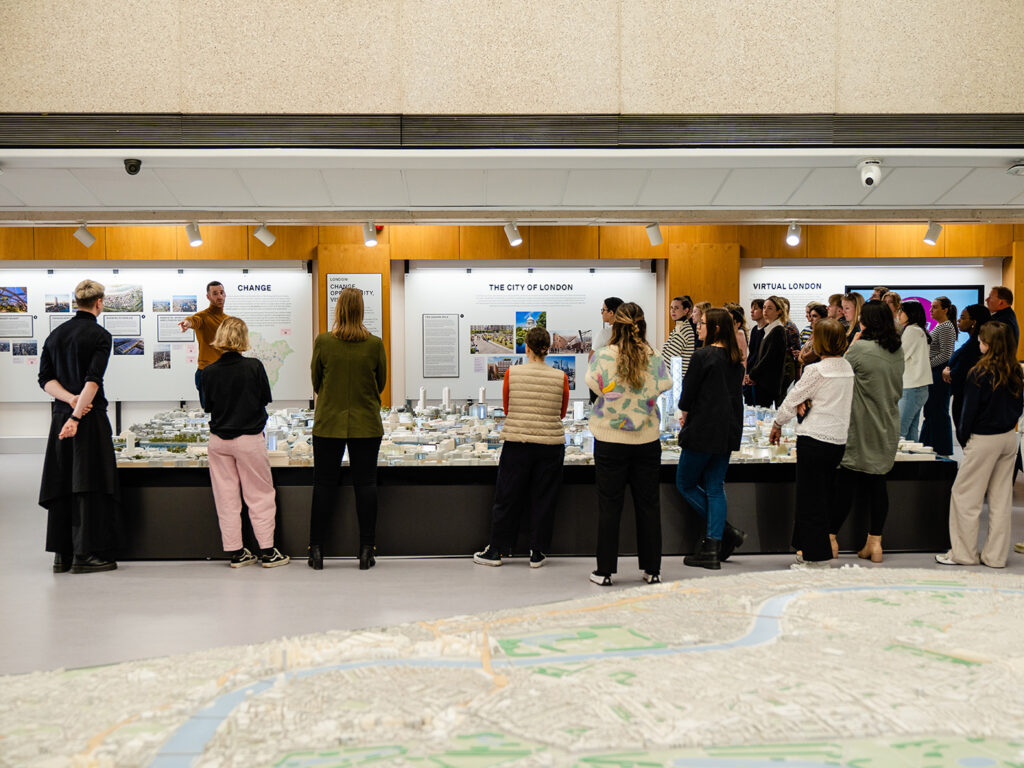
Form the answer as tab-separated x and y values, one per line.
911	403
700	478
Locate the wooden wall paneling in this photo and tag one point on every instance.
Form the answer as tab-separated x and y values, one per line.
333	258
478	243
768	241
700	233
840	241
974	240
351	234
411	242
704	271
18	243
1013	278
220	243
906	241
293	243
58	243
142	243
1018	232
629	242
580	242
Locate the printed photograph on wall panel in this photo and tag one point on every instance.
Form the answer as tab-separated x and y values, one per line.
495	308
152	359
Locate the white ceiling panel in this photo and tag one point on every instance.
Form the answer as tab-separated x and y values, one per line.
206	187
601	188
913	186
47	186
286	187
366	188
678	188
760	186
830	186
112	186
434	188
985	186
528	187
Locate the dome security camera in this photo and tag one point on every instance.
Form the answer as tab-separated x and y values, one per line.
132	167
870	172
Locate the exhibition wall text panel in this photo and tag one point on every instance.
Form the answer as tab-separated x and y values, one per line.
152	359
465	327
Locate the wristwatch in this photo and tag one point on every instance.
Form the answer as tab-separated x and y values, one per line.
74	418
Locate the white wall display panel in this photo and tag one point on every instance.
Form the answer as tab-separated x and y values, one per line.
152	359
495	307
370	285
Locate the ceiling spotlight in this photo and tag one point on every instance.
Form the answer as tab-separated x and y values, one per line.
1017	169
264	235
512	233
369	234
932	235
84	236
654	234
793	235
194	238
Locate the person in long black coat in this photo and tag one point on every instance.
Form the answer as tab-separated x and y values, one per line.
79	484
965	358
766	372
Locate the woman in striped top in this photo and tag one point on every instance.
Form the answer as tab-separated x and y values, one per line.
680	340
937	430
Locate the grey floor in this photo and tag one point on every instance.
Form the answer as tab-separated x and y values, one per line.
152	609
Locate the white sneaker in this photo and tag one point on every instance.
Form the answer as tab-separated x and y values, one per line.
946	559
810	565
650	578
600	579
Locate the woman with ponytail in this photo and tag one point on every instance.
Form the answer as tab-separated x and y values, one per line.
627	376
987	430
937	430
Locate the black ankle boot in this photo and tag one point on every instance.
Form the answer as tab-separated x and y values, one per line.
366	558
707	556
316	557
732	539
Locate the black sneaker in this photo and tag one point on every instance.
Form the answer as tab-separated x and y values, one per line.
272	558
651	578
602	580
537	558
489	556
242	558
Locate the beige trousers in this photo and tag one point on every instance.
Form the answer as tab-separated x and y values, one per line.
987	470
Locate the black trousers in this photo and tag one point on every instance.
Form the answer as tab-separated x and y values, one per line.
817	468
362	457
82	524
616	465
527	473
937	429
873	490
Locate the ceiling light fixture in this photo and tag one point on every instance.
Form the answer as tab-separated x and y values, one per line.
194	238
369	234
654	233
932	235
264	235
1017	169
84	236
512	233
793	235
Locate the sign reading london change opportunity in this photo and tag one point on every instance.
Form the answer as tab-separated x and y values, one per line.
370	285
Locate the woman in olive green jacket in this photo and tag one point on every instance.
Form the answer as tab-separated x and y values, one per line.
877	359
349	370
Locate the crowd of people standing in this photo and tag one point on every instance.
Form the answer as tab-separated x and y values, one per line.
857	378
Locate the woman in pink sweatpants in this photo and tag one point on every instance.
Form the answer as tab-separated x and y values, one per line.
237	392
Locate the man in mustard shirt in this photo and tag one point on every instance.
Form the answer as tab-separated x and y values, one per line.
205	324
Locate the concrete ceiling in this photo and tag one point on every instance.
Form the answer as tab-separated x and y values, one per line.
582	186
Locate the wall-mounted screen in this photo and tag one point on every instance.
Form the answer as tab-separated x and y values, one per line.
960	295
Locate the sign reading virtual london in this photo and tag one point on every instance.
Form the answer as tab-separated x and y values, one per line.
370	285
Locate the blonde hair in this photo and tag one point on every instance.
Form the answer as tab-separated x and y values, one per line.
629	334
232	336
87	292
348	317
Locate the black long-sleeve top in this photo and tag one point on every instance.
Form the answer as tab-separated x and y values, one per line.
713	402
1008	316
987	411
237	392
766	372
961	362
754	345
76	352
